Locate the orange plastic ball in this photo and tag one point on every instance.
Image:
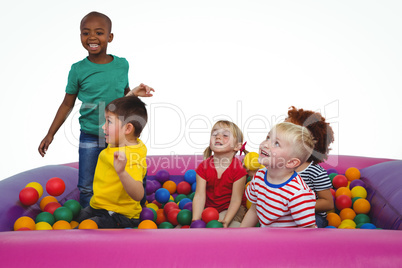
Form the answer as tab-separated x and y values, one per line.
170	186
347	214
352	174
24	222
333	219
160	216
74	224
147	224
61	225
46	200
88	224
343	191
361	206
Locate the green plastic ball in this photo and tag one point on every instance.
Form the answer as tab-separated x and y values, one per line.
184	217
165	225
63	213
214	224
179	197
331	176
74	206
362	218
191	196
45	217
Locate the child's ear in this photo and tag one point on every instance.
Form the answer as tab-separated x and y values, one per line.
129	128
293	163
110	38
237	146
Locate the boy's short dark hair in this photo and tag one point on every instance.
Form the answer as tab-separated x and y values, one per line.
98	14
130	109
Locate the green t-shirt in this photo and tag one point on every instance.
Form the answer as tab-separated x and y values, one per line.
96	85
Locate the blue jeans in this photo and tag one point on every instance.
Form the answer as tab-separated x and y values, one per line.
90	147
320	221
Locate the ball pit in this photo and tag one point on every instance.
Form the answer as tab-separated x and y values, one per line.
363	247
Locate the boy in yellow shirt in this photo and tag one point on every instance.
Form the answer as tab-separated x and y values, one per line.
121	168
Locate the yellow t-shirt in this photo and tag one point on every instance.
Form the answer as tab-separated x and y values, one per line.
109	192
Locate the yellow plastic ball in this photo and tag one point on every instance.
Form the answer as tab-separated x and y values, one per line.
43	226
349	222
153	206
352	174
37	187
359	191
251	161
248	204
24	222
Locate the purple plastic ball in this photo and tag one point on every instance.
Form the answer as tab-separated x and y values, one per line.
198	224
188	206
150	197
157	185
357	183
162	176
331	170
147	214
150	188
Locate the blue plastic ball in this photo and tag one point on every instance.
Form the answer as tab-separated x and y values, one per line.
368	226
183	202
162	195
193	186
190	176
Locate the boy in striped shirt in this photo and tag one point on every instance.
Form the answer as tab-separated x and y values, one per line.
279	197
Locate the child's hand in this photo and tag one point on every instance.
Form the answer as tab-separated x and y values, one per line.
224	223
119	161
141	91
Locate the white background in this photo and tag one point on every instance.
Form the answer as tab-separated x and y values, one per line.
247	61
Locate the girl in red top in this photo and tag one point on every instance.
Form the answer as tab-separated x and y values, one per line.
221	177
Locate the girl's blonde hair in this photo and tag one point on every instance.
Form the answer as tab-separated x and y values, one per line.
234	129
299	138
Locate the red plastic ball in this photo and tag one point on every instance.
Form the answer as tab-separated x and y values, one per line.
172	216
339	181
51	207
29	196
343	201
183	188
210	214
55	186
170	206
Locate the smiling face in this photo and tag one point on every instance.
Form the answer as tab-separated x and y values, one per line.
114	130
275	151
222	140
95	34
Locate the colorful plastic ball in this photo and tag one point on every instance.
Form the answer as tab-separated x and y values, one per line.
333	192
170	206
349	222
354	199
185	227
74	206
61	225
359	191
43	226
331	227
198	224
361	206
184	188
343	191
332	170
345	226
357	183
160	216
362	218
183	202
88	224
147	224
343	201
150	197
332	176
45	217
29	196
162	176
24	229
172	216
24	222
190	176
184	217
179	197
210	214
46	200
214	224
153	206
352	174
74	224
333	219
37	187
63	213
150	187
51	207
188	206
193	186
157	203
165	225
191	195
368	226
248	204
347	214
55	186
339	181
250	161
147	214
170	186
162	195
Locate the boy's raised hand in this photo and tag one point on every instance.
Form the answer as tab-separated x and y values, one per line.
119	161
141	91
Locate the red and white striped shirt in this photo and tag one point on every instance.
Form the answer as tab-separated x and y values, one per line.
290	204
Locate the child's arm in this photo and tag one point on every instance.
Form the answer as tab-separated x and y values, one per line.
199	197
251	218
134	188
61	115
140	91
235	201
325	201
